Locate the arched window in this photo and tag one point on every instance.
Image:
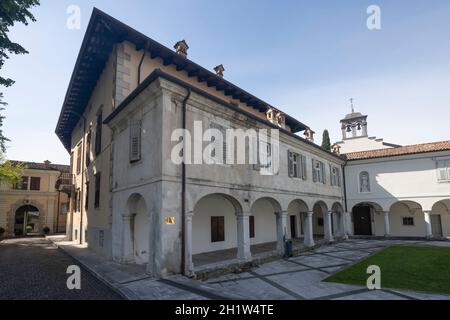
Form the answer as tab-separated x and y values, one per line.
364	182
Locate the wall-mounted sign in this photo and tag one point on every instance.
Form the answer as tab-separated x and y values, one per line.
169	220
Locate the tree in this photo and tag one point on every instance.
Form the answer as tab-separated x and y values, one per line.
9	173
326	144
12	11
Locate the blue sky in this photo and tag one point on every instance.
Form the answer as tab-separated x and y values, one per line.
307	58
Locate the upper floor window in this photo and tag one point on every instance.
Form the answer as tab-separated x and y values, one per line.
335	174
318	169
443	171
98	133
88	148
22	184
79	158
219	148
296	165
364	182
135	141
35	183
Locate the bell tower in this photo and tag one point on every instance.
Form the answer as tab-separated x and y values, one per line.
354	125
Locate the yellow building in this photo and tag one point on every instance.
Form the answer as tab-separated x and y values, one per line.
39	201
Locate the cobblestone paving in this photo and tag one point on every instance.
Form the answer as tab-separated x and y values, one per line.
33	269
301	277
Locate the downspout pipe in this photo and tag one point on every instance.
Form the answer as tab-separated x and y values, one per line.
183	188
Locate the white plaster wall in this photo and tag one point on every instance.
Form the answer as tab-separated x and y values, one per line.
398	211
265	222
361	144
213	206
395	179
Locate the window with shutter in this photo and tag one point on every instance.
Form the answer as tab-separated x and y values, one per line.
219	150
443	171
79	158
86	198
304	176
35	183
217	229
314	170
98	134
88	148
290	164
135	141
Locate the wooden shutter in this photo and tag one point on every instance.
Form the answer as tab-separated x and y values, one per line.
35	183
98	134
135	141
88	148
86	199
79	159
443	171
251	225
314	171
217	229
304	174
290	164
322	166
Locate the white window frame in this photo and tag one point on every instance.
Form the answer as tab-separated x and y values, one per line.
320	171
335	176
300	163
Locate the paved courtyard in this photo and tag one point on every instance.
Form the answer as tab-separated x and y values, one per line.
297	278
301	277
34	269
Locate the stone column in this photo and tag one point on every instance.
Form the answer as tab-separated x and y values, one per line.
343	225
127	238
364	129
328	230
281	230
387	225
243	236
354	130
308	230
189	264
429	231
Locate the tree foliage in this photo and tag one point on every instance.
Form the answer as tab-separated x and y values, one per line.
326	144
12	11
9	173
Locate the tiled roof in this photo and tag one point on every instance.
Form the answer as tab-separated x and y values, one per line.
400	151
43	166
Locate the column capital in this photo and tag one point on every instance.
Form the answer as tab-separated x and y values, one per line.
309	213
282	213
243	214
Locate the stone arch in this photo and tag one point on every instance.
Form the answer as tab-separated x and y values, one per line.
440	218
264	211
320	210
11	215
363	218
137	230
406	219
297	211
214	225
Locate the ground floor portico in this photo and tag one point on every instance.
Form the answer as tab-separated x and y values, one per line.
408	218
219	225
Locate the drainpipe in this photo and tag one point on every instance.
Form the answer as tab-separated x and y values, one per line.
183	188
58	212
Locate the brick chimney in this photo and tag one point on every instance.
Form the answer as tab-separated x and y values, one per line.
219	70
181	48
309	134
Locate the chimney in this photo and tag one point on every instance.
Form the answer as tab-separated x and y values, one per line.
309	134
181	47
335	148
219	70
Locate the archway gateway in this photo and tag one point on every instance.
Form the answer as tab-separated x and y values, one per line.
26	221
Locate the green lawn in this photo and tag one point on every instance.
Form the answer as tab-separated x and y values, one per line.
404	267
